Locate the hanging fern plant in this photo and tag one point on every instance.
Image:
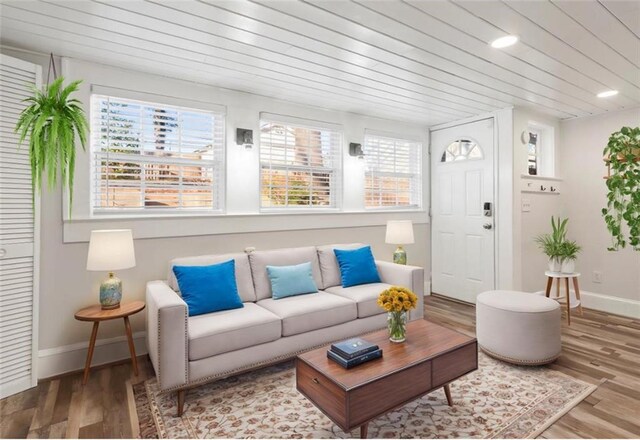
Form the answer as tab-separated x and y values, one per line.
622	214
52	121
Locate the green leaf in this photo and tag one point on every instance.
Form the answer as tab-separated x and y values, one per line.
51	121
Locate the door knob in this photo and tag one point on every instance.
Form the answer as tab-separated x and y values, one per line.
487	226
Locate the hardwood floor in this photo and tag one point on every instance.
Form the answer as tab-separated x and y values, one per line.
599	348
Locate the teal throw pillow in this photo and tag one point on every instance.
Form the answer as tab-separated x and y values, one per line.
291	280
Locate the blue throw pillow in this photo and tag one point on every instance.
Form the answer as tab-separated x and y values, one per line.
291	280
357	266
208	289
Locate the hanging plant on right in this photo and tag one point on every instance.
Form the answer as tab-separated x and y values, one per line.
622	214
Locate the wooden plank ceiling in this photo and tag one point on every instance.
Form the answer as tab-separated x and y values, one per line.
415	60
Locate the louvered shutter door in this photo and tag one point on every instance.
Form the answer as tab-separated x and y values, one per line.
18	236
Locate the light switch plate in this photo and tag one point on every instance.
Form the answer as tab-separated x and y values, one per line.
526	205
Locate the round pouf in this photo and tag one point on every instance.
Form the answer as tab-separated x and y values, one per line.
517	327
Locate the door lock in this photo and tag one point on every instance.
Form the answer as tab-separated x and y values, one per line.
488	210
487	226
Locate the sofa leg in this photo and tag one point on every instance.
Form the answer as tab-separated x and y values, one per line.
180	396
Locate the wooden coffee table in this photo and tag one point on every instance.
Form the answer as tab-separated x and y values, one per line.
430	358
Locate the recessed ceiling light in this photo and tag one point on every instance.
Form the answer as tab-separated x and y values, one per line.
506	41
607	93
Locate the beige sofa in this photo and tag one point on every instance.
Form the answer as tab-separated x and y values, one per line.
187	351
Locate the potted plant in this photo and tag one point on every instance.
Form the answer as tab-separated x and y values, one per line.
52	121
568	253
622	214
551	244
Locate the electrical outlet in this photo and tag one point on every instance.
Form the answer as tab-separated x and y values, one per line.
597	276
526	205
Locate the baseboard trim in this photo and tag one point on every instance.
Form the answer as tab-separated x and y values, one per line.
68	358
629	308
610	304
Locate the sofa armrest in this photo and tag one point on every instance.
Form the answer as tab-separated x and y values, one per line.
167	339
411	277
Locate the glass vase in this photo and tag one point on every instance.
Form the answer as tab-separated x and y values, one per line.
397	324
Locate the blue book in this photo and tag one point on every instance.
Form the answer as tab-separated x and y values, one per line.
352	348
350	363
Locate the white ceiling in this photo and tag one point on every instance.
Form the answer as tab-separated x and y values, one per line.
422	61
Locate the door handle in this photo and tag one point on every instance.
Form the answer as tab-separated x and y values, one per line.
487	226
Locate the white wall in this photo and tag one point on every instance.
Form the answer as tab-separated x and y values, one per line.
530	263
65	284
583	141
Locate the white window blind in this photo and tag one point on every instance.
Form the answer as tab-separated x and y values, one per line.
393	176
299	166
153	157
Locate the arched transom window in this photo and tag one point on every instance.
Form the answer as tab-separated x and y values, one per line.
461	149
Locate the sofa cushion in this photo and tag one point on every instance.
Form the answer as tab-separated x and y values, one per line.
281	257
329	264
300	314
365	295
229	330
208	289
243	271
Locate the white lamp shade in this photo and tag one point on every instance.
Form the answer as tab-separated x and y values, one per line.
111	250
399	232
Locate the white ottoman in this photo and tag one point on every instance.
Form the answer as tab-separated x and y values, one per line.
517	327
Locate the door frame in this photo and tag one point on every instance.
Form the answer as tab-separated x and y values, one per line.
503	187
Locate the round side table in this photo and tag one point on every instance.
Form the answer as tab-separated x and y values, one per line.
96	314
559	276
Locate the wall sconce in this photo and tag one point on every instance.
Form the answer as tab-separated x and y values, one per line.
356	150
244	137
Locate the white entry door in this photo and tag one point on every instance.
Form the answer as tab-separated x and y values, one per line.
462	209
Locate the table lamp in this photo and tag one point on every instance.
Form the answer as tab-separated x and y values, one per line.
399	232
111	250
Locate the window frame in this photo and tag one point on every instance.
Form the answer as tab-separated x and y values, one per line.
219	166
545	150
539	149
336	191
420	175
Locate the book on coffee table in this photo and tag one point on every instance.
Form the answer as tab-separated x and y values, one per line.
352	348
358	360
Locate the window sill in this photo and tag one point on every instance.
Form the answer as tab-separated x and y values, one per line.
78	230
536	177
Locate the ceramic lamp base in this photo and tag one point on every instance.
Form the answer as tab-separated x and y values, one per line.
400	256
110	292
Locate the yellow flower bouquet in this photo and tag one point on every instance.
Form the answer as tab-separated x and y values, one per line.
397	301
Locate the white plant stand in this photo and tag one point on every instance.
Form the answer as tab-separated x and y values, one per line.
572	302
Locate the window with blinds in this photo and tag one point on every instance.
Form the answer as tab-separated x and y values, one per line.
299	166
393	176
153	157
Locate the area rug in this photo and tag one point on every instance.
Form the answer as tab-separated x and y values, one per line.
496	401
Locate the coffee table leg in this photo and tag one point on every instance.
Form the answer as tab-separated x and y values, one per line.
92	346
364	430
132	348
447	392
